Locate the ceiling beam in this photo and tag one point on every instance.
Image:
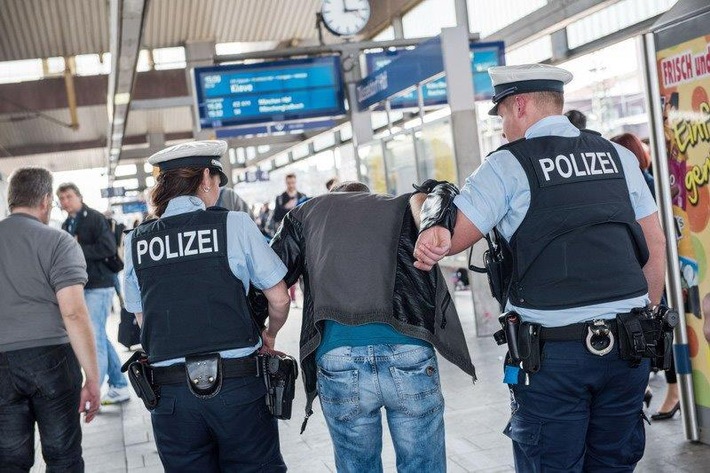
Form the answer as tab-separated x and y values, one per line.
45	148
126	21
556	15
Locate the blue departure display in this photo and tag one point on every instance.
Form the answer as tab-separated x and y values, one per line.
269	92
483	56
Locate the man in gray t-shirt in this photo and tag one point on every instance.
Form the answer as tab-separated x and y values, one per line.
46	332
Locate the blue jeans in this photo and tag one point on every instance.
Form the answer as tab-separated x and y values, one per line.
580	412
354	383
99	303
41	385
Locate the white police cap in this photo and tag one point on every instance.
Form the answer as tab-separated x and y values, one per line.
203	154
513	80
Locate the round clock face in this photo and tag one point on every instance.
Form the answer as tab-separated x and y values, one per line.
345	17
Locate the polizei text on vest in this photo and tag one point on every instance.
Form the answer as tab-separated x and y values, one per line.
171	246
579	164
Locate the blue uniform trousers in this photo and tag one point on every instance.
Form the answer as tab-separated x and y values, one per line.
580	412
230	432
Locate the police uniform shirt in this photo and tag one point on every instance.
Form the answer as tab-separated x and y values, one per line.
250	259
498	194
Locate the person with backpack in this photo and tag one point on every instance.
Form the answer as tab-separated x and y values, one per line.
90	229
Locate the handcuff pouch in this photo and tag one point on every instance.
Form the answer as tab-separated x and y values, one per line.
204	374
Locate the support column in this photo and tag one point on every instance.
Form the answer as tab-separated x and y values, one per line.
359	119
198	53
459	83
467	151
461	7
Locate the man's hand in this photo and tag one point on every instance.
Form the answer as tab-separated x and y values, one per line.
432	245
90	400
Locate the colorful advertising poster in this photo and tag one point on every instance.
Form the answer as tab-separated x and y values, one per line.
684	78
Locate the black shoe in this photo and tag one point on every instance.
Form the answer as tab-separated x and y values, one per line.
666	415
647	396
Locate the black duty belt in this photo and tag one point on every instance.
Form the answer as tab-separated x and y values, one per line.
231	368
598	335
572	332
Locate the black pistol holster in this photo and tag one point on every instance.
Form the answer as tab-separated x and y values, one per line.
204	374
497	265
280	373
646	333
141	378
523	340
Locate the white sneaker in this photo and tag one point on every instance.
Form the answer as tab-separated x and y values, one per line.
115	396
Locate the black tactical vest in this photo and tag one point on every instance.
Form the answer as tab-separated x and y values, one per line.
579	243
192	302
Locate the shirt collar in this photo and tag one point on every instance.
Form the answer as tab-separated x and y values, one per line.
22	214
558	125
183	204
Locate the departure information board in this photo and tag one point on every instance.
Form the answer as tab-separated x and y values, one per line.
483	56
269	92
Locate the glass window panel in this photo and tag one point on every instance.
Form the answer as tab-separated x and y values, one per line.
401	164
614	18
372	167
169	58
125	170
428	18
18	71
435	152
486	17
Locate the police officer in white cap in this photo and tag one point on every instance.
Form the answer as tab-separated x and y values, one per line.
582	233
187	275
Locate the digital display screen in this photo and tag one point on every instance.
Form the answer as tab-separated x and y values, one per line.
483	56
269	92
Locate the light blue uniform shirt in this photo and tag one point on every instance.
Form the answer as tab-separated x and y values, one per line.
498	194
250	259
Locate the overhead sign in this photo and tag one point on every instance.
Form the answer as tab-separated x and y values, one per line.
410	67
279	127
483	56
254	176
113	192
134	207
269	92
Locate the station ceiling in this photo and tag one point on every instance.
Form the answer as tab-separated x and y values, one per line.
35	121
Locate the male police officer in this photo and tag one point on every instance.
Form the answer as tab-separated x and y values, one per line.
586	245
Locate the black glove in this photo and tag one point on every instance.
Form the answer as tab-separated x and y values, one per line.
427	186
438	208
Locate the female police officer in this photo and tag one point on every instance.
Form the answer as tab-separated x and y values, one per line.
187	274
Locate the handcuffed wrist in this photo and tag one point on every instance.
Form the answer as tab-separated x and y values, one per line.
438	208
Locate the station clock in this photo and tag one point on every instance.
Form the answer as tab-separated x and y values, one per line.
345	17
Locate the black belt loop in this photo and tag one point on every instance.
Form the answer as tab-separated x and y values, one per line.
233	368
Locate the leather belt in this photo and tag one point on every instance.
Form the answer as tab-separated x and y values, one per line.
231	368
577	331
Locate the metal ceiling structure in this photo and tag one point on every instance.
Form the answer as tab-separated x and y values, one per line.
80	119
122	109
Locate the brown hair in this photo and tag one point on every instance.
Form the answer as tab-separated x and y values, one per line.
28	186
174	183
633	144
69	186
350	186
